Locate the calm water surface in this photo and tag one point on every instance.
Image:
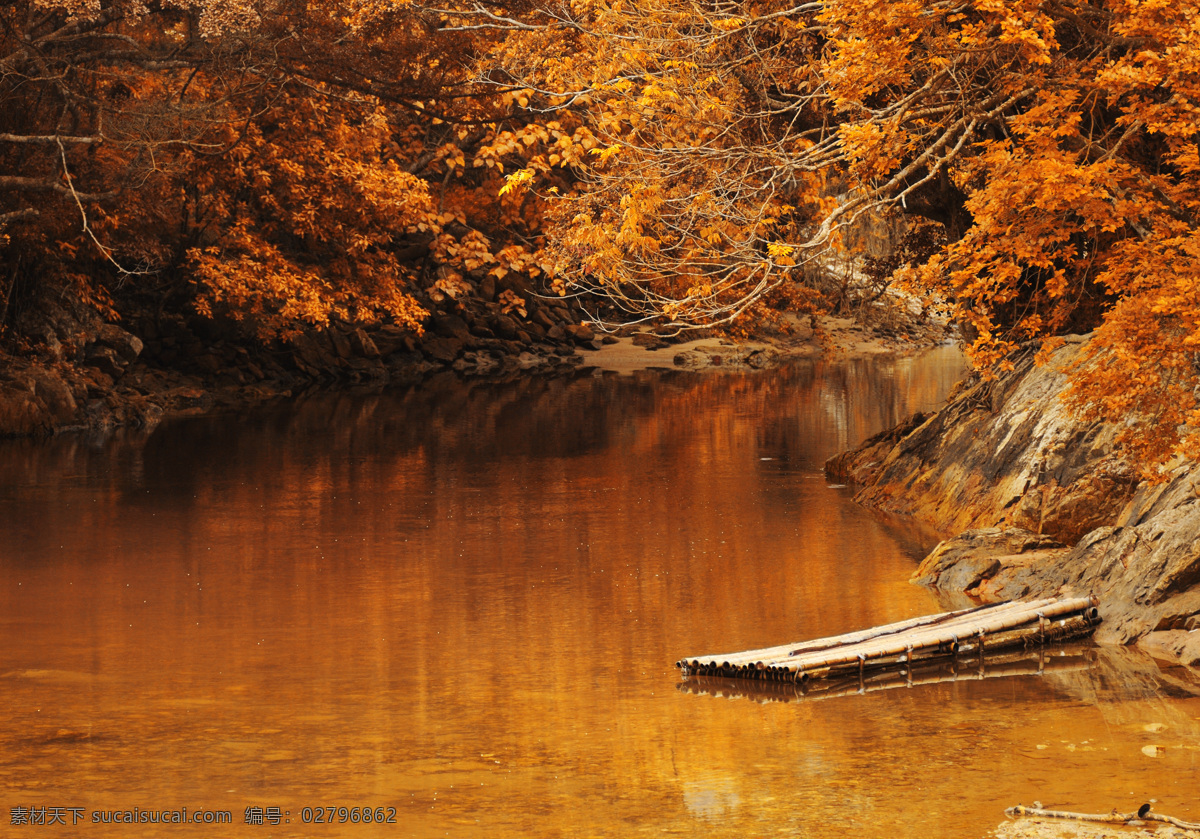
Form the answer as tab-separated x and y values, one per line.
463	602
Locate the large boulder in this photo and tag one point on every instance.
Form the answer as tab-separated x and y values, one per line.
35	400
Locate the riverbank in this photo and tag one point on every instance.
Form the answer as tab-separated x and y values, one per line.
1042	505
79	373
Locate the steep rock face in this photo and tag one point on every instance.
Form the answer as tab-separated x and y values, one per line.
1006	452
1049	507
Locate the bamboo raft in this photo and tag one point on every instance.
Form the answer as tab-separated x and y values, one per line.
966	633
1005	664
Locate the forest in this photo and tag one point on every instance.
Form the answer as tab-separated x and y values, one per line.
275	166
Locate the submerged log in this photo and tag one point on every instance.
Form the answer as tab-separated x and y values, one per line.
970	632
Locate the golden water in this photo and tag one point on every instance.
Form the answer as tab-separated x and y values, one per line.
464	602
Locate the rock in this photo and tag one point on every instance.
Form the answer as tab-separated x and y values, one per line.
527	360
99	416
861	465
517	283
106	360
362	344
504	326
480	329
341	344
1030	463
1029	479
1173	645
476	363
977	557
21	412
581	333
208	363
450	326
312	355
127	346
96	385
1145	575
188	399
648	340
542	318
55	316
54	393
389	339
370	372
762	359
145	414
441	349
487	288
44	335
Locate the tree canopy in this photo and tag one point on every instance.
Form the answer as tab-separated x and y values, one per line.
688	163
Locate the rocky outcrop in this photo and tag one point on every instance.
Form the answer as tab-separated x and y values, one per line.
1044	507
1001	452
729	356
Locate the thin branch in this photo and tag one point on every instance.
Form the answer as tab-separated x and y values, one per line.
1144	814
49	138
16	215
87	228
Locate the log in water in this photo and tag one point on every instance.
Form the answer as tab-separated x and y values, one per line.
967	632
1005	664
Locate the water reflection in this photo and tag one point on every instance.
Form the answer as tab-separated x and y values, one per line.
464	602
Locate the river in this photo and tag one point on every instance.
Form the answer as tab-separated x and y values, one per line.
459	606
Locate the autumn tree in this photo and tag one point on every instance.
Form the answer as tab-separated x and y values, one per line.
108	110
1071	130
1054	143
277	164
704	176
283	163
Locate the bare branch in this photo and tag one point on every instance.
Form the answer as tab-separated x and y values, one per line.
50	138
107	252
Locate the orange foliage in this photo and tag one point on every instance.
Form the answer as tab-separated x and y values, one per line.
683	161
1055	142
309	207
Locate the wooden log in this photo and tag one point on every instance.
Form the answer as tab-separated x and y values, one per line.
959	622
1023	637
992	622
772	653
968	631
1144	814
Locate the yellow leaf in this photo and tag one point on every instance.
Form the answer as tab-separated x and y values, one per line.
516	180
606	154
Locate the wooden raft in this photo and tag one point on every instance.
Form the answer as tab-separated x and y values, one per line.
996	665
966	633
